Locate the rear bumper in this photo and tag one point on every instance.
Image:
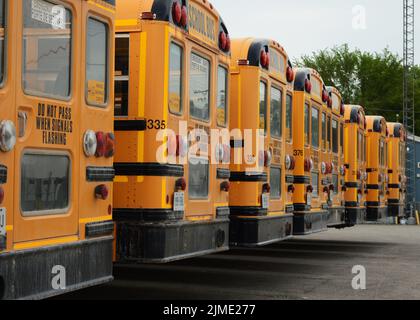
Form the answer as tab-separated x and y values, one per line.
375	213
29	274
337	217
166	241
308	222
355	216
260	230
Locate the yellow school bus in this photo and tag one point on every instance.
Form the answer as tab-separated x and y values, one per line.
310	213
376	167
172	92
355	164
336	194
57	144
261	85
396	143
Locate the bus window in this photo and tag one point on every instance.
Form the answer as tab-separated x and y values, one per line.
341	137
45	183
46	52
199	88
2	40
96	63
222	75
289	118
315	128
334	136
263	107
324	130
328	133
198	181
315	183
275	183
307	120
175	79
122	64
276	112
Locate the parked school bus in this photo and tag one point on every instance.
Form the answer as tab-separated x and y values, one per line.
308	97
355	163
261	84
396	142
376	168
56	228
173	60
337	209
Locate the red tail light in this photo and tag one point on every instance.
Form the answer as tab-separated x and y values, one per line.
184	16
1	195
266	188
181	185
308	86
225	186
324	96
101	192
176	12
267	64
265	59
101	146
110	145
291	188
290	75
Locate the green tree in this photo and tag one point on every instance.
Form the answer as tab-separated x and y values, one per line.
373	80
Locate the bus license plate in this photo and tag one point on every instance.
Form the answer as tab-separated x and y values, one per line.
179	201
265	200
2	221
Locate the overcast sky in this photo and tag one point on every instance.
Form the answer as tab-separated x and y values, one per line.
303	26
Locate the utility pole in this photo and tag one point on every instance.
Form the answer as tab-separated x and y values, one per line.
408	105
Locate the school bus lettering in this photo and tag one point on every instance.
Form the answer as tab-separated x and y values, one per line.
45	12
54	122
298	153
96	91
201	23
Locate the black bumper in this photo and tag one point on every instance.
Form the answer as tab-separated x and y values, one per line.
355	216
29	274
396	210
162	242
308	222
337	217
375	213
259	230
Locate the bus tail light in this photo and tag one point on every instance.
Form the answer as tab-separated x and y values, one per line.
324	96
90	143
101	192
110	145
1	195
184	17
7	136
291	188
265	59
225	186
181	185
176	12
266	188
101	144
308	86
290	75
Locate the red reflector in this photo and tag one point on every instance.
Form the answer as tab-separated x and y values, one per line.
225	186
181	184
266	188
101	192
110	145
101	144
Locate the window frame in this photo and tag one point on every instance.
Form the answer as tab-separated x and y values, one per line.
226	68
123	35
334	119
307	124
38	213
36	94
108	61
318	109
289	139
183	77
279	89
267	105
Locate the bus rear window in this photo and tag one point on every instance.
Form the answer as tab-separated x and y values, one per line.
263	107
307	124
47	46
334	136
45	184
198	180
222	75
315	183
324	130
96	63
275	183
276	111
2	39
315	128
199	87
175	79
122	64
289	120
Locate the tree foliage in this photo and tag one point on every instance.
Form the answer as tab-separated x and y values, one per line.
373	80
